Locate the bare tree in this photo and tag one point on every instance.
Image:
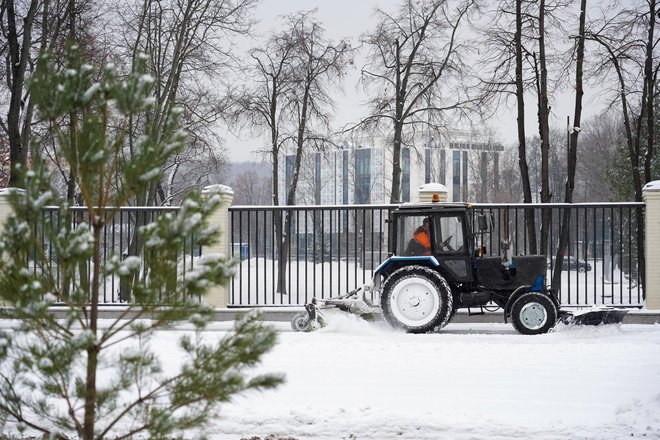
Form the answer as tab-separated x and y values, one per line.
572	151
295	71
508	38
602	137
187	47
265	104
627	40
17	30
415	72
251	189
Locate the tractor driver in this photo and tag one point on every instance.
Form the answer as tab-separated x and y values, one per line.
420	244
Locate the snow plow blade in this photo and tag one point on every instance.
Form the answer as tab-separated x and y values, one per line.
354	302
595	317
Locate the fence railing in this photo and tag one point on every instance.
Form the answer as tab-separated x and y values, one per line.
119	237
290	254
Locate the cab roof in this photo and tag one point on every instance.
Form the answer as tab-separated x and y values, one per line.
434	206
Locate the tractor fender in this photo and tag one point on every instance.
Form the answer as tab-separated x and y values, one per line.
536	287
421	260
514	296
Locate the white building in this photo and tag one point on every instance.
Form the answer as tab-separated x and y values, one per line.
465	163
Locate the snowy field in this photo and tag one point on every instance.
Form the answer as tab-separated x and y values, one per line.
354	380
359	380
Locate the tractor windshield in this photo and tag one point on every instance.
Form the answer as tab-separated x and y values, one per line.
449	234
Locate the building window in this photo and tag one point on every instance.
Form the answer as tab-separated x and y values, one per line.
427	165
456	176
362	175
344	177
405	175
290	165
317	179
496	173
441	167
465	176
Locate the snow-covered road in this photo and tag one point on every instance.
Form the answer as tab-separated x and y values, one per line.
354	380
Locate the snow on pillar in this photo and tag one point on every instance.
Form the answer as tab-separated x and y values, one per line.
218	296
651	196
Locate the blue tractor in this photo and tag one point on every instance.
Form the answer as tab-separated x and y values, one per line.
435	267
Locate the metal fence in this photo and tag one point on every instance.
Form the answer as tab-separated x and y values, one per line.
290	254
119	237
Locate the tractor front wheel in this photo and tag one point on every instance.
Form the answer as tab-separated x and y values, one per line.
416	299
533	313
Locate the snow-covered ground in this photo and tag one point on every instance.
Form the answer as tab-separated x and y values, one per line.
359	380
355	380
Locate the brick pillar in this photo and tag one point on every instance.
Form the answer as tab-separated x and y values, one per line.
218	296
651	196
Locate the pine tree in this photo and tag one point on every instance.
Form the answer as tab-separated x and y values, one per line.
73	377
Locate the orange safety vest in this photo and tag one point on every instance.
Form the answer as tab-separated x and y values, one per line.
422	237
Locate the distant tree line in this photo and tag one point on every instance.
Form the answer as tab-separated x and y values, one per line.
427	66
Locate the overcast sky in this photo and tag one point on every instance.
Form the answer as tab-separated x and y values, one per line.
351	18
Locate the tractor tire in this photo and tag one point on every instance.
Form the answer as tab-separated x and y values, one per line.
533	313
416	299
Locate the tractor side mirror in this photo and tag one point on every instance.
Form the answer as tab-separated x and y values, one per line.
482	222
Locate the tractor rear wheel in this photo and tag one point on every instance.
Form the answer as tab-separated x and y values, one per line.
533	313
417	299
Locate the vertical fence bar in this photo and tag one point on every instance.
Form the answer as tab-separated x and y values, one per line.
347	229
620	254
630	255
602	260
322	252
256	255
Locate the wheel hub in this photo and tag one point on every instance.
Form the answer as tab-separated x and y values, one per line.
533	315
414	301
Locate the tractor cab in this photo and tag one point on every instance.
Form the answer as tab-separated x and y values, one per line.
438	231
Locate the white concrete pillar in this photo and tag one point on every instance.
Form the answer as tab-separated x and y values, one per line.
218	296
651	196
6	209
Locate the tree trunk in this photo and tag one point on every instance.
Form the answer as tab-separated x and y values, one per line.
285	242
395	195
522	147
19	57
650	94
93	351
544	132
572	151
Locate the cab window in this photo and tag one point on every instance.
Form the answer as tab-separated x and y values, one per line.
414	237
448	237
